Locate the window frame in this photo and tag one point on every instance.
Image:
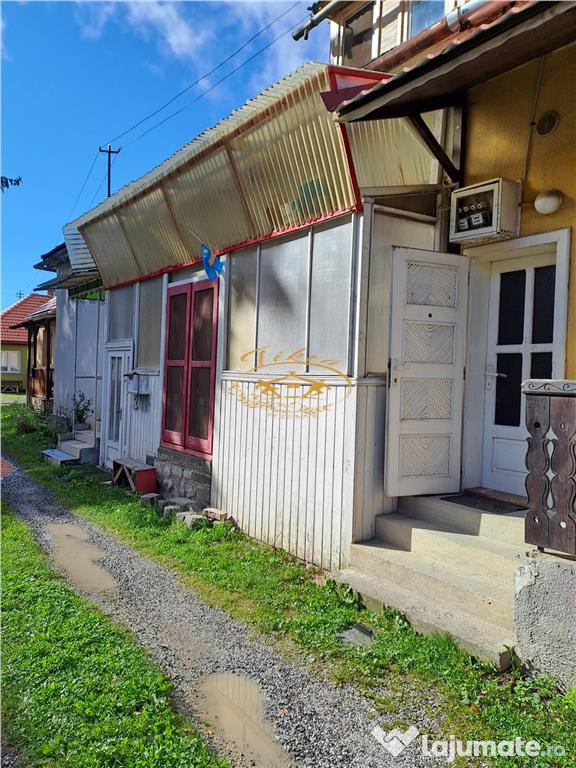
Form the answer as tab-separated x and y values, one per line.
182	440
6	368
311	232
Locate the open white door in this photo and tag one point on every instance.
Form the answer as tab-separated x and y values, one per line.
426	372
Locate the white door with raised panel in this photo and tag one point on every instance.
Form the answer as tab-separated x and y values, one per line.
426	376
521	345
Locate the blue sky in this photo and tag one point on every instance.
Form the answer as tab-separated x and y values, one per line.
76	74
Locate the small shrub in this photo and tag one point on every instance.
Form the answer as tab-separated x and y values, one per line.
82	406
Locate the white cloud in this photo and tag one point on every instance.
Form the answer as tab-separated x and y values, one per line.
284	55
177	34
93	18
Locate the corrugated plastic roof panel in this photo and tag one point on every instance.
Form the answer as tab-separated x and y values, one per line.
277	162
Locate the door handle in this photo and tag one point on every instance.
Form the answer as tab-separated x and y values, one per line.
494	373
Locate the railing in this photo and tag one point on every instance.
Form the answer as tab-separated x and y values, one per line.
551	462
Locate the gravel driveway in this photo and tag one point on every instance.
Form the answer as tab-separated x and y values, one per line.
316	723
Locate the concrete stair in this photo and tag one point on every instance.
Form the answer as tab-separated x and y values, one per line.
82	448
448	567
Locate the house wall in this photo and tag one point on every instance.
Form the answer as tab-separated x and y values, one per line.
498	131
142	415
78	357
11	379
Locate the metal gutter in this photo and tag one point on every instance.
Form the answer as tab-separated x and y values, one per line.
452	52
471	14
317	18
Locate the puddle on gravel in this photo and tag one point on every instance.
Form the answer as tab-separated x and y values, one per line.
72	552
234	706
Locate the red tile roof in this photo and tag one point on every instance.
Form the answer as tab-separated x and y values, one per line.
16	314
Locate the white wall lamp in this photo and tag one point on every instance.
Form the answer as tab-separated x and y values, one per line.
549	201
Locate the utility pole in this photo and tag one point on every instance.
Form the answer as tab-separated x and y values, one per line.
109	151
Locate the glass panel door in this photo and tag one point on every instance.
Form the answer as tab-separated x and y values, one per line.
520	346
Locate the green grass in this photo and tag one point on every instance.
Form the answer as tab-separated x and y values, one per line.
279	597
77	691
11	397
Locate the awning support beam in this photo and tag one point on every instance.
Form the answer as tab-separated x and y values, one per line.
435	147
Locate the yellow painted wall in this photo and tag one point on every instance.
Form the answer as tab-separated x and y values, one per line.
9	378
498	129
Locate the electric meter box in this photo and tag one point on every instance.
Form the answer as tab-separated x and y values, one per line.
485	213
138	385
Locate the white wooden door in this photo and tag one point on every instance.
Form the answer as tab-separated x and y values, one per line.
426	372
521	345
117	415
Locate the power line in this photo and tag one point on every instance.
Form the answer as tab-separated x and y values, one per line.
95	195
218	82
82	187
201	95
204	76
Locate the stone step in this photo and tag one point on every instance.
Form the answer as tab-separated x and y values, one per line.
58	457
508	527
443	544
484	639
484	596
86	436
85	454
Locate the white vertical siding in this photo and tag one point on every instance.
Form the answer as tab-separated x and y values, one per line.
287	480
369	499
144	421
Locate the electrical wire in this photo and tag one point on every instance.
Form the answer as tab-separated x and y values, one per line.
204	76
82	187
95	195
217	83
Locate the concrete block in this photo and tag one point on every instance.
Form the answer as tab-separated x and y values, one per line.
545	616
149	498
191	519
214	514
170	510
182	502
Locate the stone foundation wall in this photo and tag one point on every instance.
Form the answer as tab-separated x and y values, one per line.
545	615
182	475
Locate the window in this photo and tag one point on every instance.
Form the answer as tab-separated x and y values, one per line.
11	361
121	313
190	366
424	13
357	37
149	323
292	295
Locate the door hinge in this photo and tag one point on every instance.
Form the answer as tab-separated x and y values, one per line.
464	373
389	372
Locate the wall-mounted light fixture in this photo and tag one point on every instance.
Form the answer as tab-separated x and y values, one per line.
549	201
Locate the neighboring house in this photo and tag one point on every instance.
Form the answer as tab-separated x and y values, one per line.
78	346
40	327
361	357
14	344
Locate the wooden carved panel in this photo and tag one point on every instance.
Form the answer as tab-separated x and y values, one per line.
551	482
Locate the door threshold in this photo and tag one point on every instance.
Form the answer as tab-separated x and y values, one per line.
494	495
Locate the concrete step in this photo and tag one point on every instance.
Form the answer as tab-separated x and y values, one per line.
85	454
86	436
508	527
482	638
483	596
443	544
58	457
